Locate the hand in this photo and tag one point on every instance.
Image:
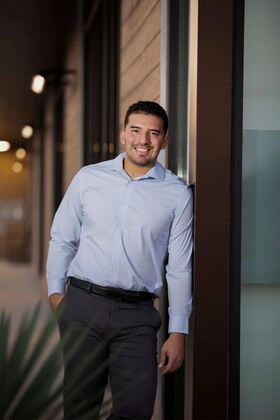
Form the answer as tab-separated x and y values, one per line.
174	350
54	300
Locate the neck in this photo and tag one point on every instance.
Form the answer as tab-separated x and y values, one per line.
133	170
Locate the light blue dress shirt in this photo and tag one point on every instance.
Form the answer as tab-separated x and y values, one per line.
116	231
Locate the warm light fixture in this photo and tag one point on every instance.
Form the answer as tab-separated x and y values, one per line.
48	77
20	153
17	167
38	83
4	146
27	132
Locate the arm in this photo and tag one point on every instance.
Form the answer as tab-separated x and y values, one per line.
65	237
179	276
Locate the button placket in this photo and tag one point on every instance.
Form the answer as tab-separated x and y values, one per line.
118	232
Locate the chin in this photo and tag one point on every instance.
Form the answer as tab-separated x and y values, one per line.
142	163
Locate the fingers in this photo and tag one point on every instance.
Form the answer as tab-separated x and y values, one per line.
172	353
163	356
167	368
172	365
169	363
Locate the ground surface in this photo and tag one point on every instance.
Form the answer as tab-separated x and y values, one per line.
20	291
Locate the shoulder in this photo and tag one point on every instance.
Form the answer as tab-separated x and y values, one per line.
180	191
94	168
170	177
177	184
92	175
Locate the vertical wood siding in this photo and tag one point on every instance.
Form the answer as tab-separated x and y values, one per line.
139	52
72	114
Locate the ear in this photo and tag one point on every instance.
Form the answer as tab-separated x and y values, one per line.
122	137
165	142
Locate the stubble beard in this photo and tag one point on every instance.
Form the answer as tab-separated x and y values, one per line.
149	163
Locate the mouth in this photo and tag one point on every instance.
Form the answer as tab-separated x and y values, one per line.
142	149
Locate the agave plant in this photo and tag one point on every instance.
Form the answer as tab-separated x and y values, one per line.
29	376
31	385
27	381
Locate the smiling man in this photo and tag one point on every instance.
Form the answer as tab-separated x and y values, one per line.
124	226
144	136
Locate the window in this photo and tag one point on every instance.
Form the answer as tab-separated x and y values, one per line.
101	37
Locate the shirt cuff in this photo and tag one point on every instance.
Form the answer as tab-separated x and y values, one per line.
56	286
178	324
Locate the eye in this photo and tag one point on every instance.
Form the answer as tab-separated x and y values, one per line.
154	133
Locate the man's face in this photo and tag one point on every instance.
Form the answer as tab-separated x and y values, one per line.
143	139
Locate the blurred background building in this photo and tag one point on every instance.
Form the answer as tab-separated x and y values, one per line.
214	66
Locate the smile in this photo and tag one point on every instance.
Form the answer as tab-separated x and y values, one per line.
142	149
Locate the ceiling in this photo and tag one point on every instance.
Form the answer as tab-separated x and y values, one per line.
32	38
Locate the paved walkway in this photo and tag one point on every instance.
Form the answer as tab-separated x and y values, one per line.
20	290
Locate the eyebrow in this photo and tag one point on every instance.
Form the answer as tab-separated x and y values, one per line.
151	129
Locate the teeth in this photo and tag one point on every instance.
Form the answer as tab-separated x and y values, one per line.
141	149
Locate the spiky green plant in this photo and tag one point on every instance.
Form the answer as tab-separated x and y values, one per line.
30	368
29	375
27	382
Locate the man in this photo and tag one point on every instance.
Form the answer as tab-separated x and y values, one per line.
120	226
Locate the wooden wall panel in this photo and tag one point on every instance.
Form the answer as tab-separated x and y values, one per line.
147	89
128	9
140	52
133	24
144	64
140	40
72	113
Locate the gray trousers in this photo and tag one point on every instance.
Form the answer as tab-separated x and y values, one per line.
115	340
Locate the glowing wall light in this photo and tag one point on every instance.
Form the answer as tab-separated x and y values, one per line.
4	146
38	83
20	153
27	132
17	167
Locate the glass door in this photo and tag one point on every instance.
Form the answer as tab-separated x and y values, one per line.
260	258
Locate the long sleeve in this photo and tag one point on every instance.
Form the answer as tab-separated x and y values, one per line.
65	237
179	267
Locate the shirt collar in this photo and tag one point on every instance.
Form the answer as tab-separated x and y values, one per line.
157	171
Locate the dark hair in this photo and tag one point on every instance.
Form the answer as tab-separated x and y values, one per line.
147	107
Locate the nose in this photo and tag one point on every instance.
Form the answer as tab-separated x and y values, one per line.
145	136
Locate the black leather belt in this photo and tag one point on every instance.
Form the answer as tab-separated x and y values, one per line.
111	292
